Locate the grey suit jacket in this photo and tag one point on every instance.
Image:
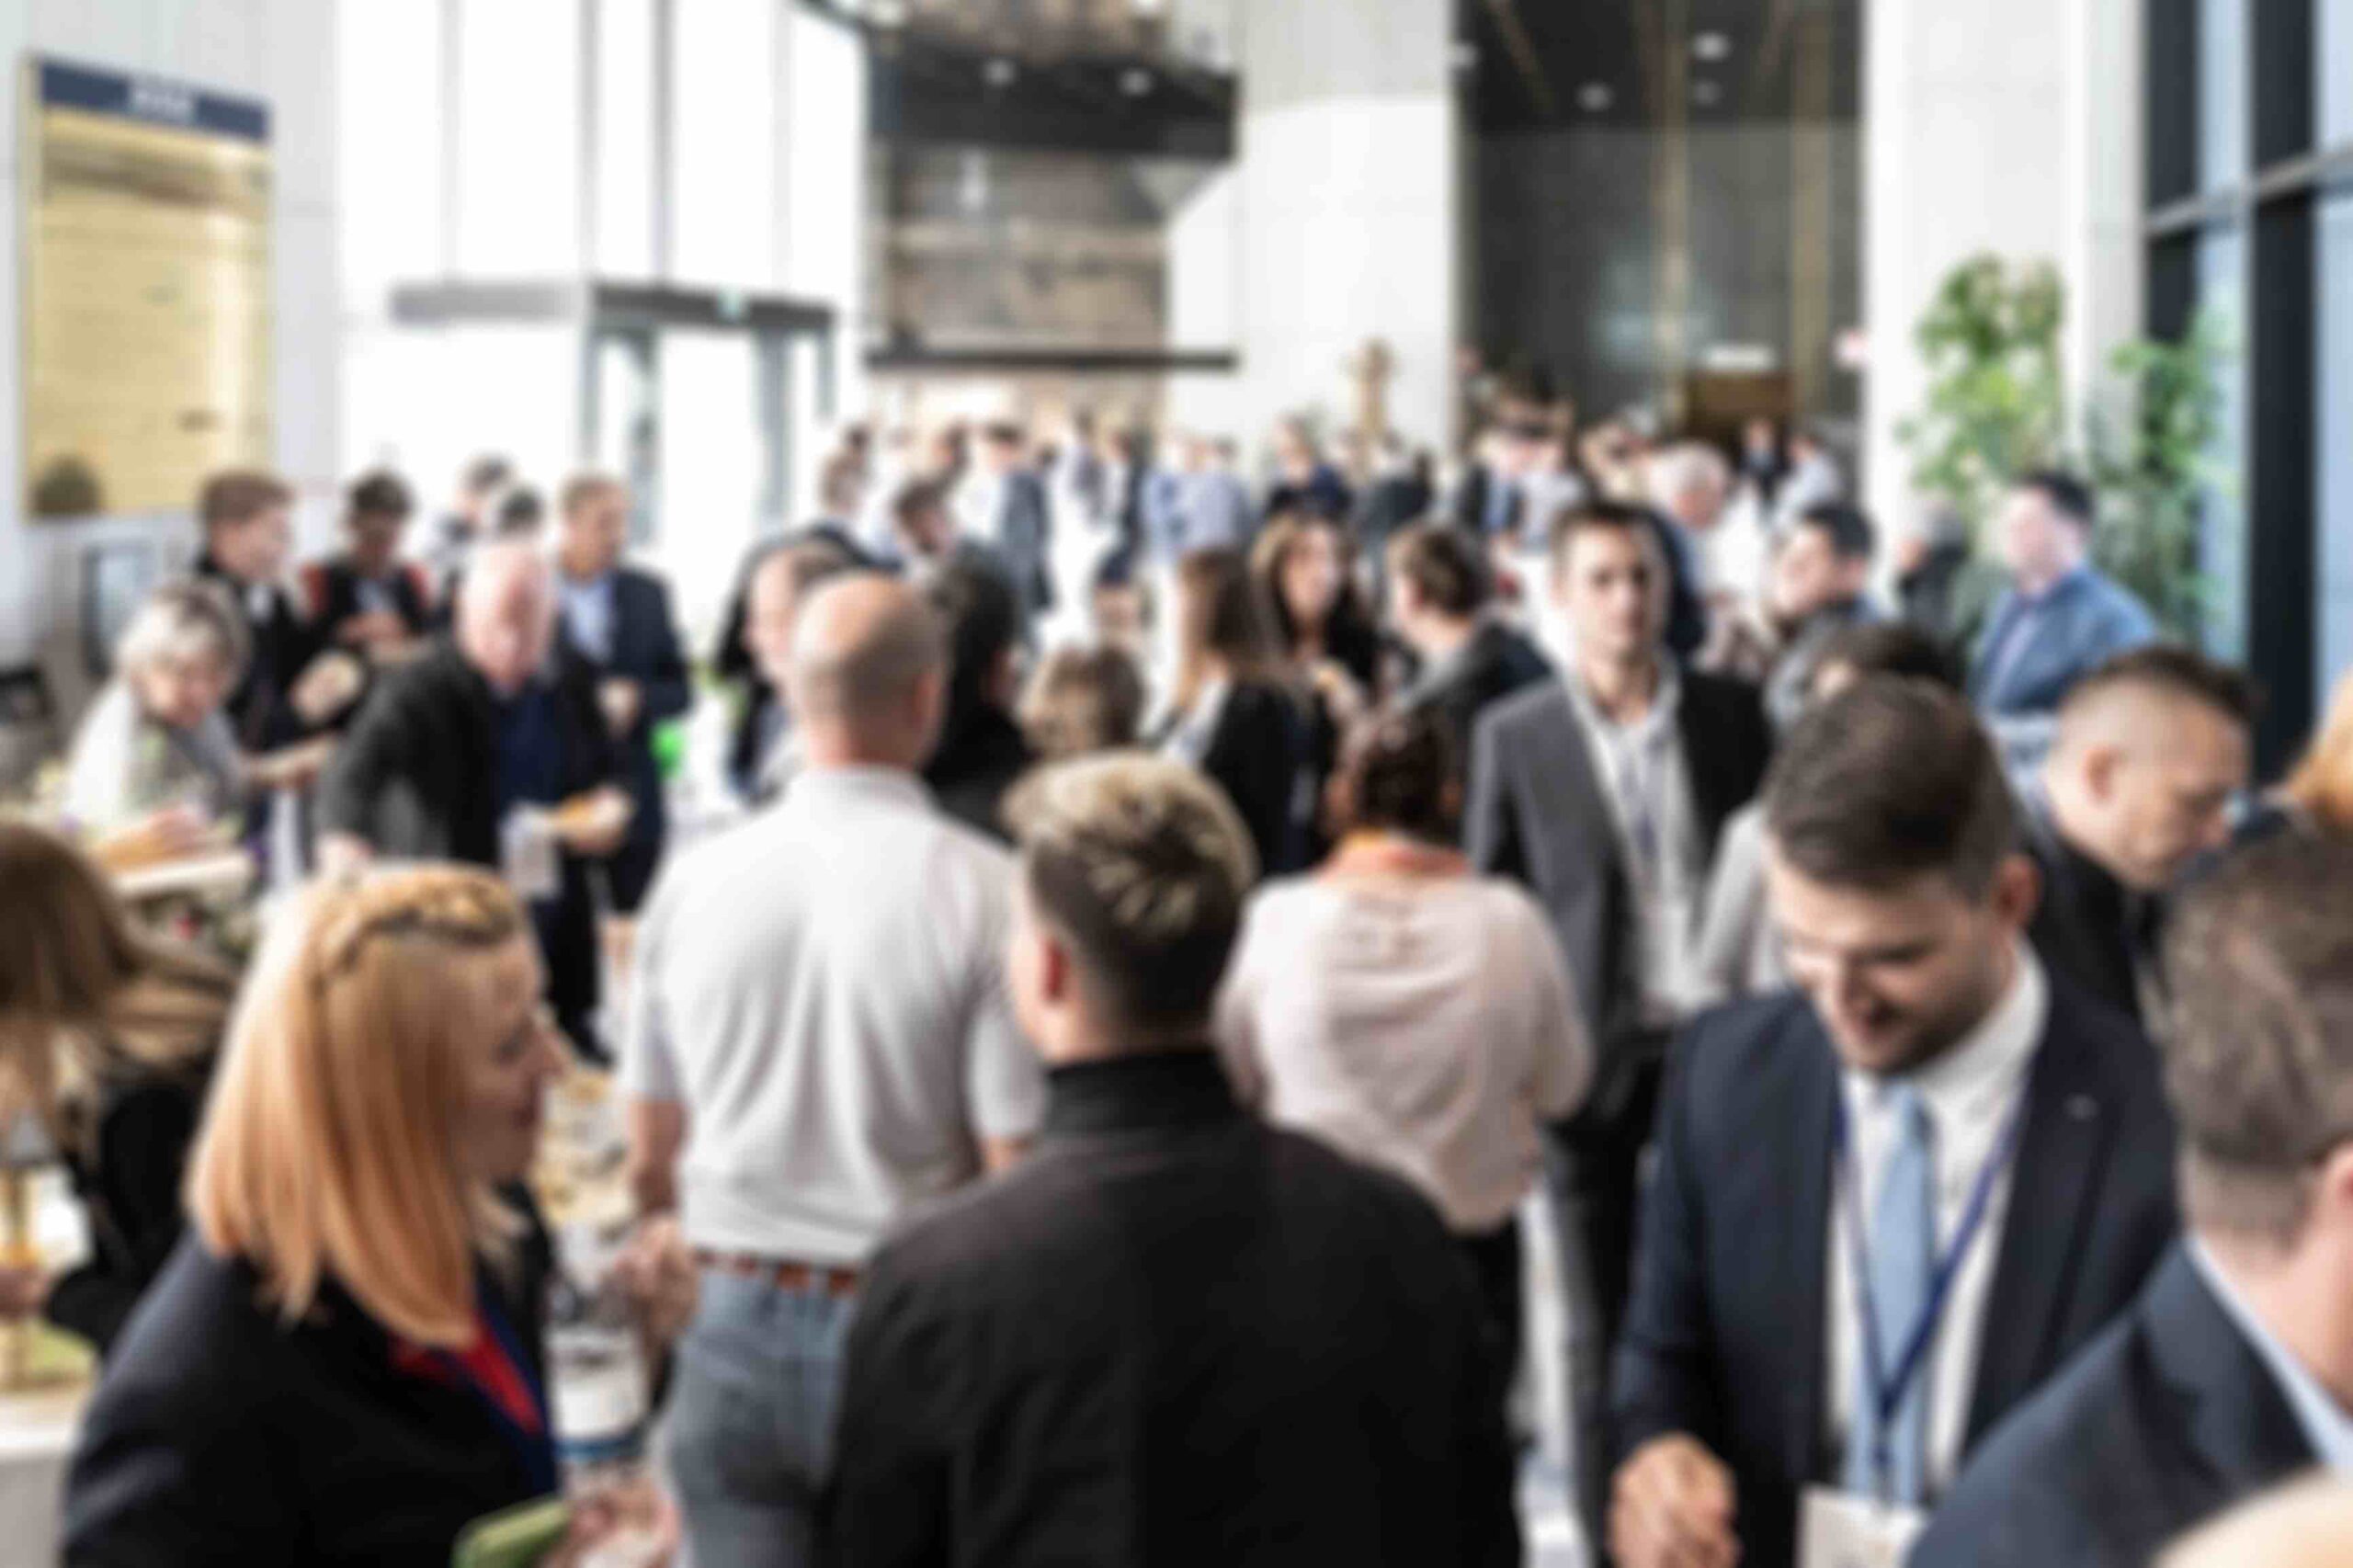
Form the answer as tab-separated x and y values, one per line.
1537	812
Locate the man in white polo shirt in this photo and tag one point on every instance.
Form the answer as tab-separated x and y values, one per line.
819	1041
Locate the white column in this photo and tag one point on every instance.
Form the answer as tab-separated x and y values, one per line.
2009	127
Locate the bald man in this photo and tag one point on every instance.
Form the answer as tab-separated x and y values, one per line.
2150	749
460	754
818	1041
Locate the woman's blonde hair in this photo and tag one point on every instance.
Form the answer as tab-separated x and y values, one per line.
328	1149
87	999
2322	782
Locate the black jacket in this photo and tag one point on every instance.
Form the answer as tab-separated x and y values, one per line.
1261	754
127	1178
220	1434
2170	1418
415	779
644	650
1175	1336
282	645
2084	925
980	756
1724	1335
1495	662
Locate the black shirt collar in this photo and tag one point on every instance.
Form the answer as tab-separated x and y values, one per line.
1180	1086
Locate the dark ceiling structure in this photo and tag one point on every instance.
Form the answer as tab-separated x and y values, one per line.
1550	65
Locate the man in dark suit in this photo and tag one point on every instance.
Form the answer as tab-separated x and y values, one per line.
1887	1207
1173	1334
1011	519
1486	500
2235	1370
245	515
615	620
457	755
1606	792
2151	749
1439	589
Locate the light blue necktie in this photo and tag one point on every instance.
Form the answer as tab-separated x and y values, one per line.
1902	1267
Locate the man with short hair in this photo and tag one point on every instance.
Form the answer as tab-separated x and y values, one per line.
1887	1207
247	519
462	753
469	522
2150	749
2234	1368
1174	1334
1606	792
615	620
1439	589
818	1044
922	531
365	598
1821	574
2059	618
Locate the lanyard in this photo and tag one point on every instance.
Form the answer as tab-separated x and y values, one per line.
1888	1387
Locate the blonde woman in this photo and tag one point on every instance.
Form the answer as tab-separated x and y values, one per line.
105	1039
342	1363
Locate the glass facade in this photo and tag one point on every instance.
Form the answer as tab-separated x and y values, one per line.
2333	451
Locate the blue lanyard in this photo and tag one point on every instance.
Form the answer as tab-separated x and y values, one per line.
534	1451
1888	1389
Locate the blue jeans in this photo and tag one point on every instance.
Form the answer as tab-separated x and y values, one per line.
750	1420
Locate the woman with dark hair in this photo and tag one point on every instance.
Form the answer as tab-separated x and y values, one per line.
1411	1014
1232	715
1302	564
107	1038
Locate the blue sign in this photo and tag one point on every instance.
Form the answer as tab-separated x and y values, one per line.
157	100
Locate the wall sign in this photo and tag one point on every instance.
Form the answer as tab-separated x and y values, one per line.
146	289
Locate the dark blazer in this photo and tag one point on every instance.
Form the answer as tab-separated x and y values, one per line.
1022	537
1537	814
1495	662
1724	1335
1260	754
1174	1336
1472	496
980	756
220	1434
2170	1416
282	645
126	1178
645	650
331	592
2082	927
1324	494
414	778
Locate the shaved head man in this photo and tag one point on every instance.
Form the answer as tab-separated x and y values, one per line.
506	613
2152	747
869	677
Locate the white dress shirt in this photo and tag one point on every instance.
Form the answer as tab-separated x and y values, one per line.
1647	781
1970	1093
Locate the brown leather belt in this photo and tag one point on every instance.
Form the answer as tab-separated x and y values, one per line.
802	1277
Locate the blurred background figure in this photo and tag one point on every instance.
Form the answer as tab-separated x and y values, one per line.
1303	481
1820	577
1083	700
159	736
755	654
980	749
472	518
367	598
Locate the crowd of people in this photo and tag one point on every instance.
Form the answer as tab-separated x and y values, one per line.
1170	941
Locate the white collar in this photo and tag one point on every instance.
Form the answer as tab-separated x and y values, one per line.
1977	1076
2326	1424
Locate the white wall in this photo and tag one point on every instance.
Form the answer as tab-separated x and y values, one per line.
279	51
2008	126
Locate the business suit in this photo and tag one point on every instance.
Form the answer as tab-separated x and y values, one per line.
417	778
2084	925
1476	508
1495	664
2170	1418
1020	532
1538	812
644	649
1725	1337
280	646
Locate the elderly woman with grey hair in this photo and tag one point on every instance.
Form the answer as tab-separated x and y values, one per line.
156	737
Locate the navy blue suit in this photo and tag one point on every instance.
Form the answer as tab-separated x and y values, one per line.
1725	1337
2169	1417
644	650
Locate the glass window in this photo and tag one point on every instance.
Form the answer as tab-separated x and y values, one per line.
710	469
723	174
625	138
2221	93
2333	451
2221	285
518	118
388	92
2332	68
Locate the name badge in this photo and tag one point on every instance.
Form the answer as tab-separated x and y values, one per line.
1837	1530
527	855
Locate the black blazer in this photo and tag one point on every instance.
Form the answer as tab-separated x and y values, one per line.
220	1434
1537	814
2169	1417
1178	1336
126	1178
1725	1334
1470	501
414	777
981	756
645	650
280	645
1023	535
1261	754
2080	927
1495	662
